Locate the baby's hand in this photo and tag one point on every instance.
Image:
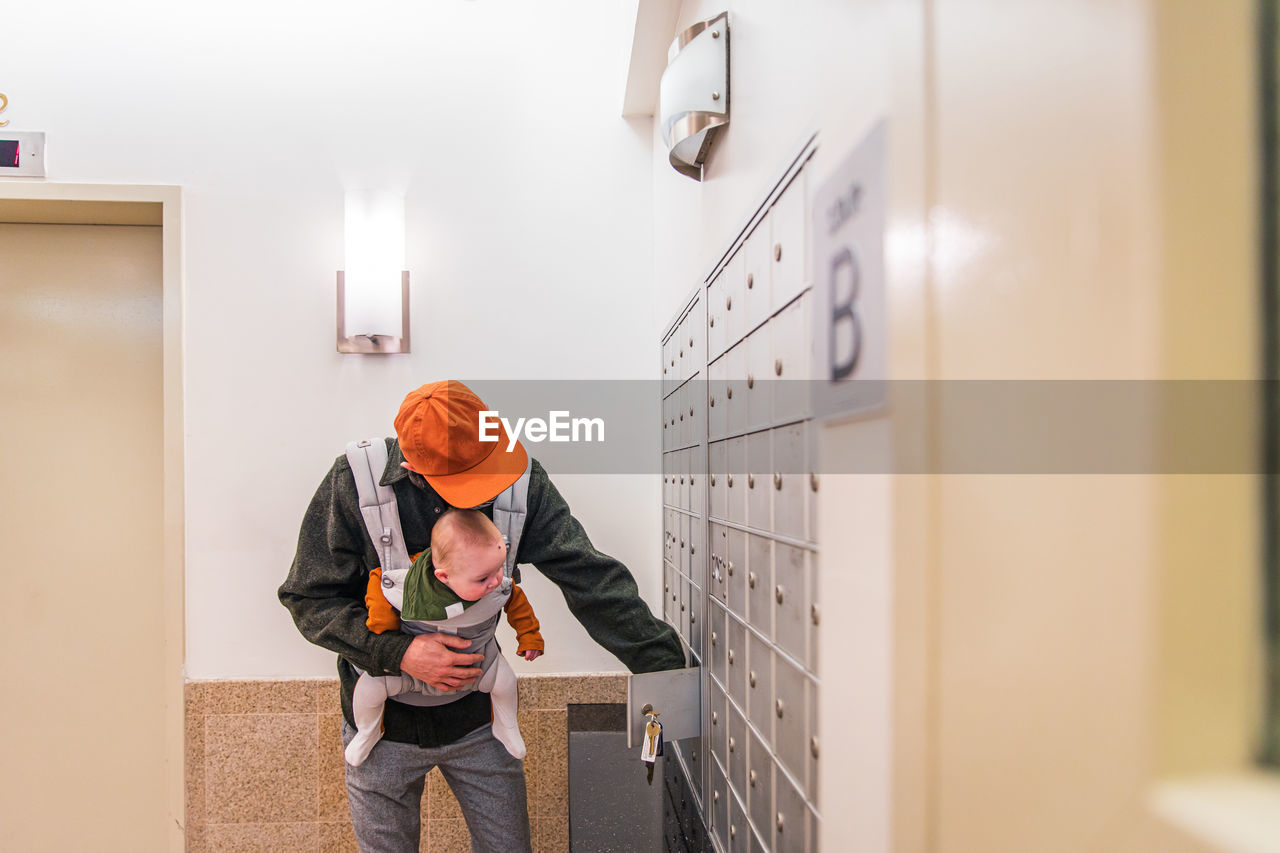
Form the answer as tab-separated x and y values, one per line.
531	654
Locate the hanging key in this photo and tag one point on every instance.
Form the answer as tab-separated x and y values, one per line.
651	747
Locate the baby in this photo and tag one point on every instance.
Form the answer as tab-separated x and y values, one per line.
463	565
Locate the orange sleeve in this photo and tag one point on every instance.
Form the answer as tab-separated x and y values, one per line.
382	616
520	615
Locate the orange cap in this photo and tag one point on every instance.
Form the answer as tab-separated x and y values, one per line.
439	432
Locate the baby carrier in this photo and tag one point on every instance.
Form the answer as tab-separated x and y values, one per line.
368	460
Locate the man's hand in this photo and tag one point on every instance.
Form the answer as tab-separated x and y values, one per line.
430	658
531	654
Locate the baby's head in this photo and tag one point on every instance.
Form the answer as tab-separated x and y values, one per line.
467	553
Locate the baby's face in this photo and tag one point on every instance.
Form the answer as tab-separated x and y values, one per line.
475	572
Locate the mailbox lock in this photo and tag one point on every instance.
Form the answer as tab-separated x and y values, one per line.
778	707
715	795
777	593
715	718
752	777
751	280
751	381
693	617
813	746
777	367
691	411
813	482
733	831
731	568
813	613
714	639
751	481
752	679
779	821
730	657
728	303
751	579
777	256
691	342
728	391
777	481
713	321
730	481
682	481
713	476
713	401
732	744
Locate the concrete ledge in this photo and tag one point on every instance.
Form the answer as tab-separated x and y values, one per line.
1232	814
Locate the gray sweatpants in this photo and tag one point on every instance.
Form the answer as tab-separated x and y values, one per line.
385	793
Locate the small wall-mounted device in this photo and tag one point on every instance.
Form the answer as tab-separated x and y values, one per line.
21	154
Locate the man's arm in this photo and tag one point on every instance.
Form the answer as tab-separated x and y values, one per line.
325	588
600	591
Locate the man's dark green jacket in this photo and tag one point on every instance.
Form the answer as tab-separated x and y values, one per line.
326	585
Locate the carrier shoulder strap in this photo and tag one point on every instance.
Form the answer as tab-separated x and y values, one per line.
368	459
381	513
509	511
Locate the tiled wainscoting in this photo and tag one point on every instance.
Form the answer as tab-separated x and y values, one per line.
264	766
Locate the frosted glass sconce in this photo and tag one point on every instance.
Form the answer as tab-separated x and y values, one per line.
693	97
373	291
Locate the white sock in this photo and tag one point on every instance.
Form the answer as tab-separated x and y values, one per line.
503	699
367	703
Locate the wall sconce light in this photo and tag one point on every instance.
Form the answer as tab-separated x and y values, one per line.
373	291
693	97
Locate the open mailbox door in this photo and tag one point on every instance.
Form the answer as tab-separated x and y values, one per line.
675	694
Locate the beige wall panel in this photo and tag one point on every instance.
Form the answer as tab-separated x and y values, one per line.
1044	660
81	525
1044	219
1091	218
1045	233
911	528
1210	598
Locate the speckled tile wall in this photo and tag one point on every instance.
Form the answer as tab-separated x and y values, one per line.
265	771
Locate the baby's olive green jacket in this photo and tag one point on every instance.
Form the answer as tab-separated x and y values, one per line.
325	589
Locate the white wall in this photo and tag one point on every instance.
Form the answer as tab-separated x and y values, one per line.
529	243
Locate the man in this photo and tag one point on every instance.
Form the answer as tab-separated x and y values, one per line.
436	461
